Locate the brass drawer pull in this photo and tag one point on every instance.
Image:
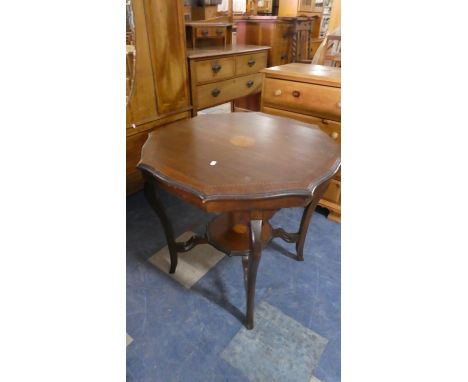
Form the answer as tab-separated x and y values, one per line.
219	31
215	92
249	83
251	62
216	68
296	93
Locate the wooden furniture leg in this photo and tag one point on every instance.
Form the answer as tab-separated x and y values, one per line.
305	221
150	194
300	236
250	265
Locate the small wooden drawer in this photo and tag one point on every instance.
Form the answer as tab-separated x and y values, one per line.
220	92
323	101
214	70
332	128
333	192
250	63
210	32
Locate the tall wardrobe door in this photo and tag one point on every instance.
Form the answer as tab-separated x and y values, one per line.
166	36
142	104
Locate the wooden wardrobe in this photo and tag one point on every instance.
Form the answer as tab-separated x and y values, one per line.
161	90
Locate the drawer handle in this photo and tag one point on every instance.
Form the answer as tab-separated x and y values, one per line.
339	104
219	31
296	93
278	92
251	62
204	33
334	135
133	126
216	68
215	92
249	83
284	56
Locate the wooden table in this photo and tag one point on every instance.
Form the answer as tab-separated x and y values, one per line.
220	75
246	167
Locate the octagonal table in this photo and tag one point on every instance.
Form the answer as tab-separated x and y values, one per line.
245	166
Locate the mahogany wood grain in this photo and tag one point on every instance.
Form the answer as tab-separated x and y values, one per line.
197	157
246	165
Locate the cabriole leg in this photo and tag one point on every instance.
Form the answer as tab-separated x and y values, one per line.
305	220
150	194
251	266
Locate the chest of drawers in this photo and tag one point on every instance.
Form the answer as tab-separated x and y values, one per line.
222	75
311	94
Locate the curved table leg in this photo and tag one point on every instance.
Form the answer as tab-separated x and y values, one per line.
300	236
305	220
250	265
150	194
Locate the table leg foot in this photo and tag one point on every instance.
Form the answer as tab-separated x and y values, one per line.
150	194
250	265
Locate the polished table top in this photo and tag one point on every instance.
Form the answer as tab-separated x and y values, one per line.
247	166
241	157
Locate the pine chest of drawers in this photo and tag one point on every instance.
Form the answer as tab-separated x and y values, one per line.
311	94
222	75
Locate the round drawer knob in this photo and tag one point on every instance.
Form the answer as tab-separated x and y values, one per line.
251	62
249	83
133	126
278	92
296	93
339	104
215	92
334	135
216	68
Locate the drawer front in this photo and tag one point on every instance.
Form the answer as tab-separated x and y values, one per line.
333	192
332	128
228	90
214	70
322	101
210	32
250	63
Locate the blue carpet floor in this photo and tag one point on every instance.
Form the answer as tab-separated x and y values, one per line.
197	334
